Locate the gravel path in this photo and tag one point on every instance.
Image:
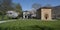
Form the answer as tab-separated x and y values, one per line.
7	21
2	21
24	19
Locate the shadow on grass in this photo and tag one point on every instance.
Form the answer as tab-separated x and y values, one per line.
34	27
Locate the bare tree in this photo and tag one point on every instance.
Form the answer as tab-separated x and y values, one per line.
48	5
36	6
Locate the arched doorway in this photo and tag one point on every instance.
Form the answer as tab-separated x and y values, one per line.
46	16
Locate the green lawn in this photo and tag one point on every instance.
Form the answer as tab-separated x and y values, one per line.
31	24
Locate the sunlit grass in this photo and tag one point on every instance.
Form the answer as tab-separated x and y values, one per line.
30	24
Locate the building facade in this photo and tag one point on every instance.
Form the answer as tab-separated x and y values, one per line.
44	13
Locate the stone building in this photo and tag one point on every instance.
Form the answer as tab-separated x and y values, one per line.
55	12
44	13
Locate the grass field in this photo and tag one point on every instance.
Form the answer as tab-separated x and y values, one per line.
31	24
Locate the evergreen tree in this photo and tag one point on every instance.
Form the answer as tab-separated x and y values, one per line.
19	9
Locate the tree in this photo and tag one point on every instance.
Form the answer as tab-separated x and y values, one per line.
48	5
36	6
4	6
19	9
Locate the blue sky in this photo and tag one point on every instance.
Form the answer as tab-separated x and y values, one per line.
27	4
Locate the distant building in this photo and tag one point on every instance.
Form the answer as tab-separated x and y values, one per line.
26	14
56	12
29	14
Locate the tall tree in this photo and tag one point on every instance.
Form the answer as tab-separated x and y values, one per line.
4	6
19	8
7	4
